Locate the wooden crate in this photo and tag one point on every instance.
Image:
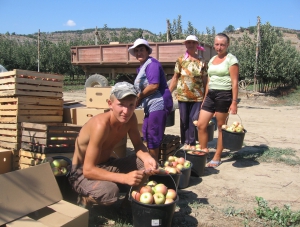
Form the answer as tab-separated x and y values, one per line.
10	136
169	146
49	138
30	109
24	159
30	83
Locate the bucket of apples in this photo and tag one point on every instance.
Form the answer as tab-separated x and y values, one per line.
183	165
233	135
61	167
170	172
153	202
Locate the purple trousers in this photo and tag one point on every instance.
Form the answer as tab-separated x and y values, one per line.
154	128
189	112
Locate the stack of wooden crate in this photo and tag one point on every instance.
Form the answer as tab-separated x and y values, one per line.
27	96
45	140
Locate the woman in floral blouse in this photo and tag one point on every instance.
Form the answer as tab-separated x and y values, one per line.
190	75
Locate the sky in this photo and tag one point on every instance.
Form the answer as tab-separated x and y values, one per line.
29	16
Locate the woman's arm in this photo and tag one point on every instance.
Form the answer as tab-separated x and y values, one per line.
234	75
174	82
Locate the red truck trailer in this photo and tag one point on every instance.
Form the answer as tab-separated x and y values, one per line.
100	62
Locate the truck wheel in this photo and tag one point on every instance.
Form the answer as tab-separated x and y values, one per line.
96	80
174	93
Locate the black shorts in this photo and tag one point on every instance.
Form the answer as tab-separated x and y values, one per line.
217	101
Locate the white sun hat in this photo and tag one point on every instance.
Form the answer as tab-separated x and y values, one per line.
192	38
138	42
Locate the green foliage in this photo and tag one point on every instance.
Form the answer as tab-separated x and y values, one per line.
229	28
278	62
277	216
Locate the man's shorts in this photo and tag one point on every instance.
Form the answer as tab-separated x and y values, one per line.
104	192
217	101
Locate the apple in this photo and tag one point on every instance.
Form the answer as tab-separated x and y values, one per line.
159	198
167	201
56	171
146	188
171	158
235	123
172	170
171	194
179	166
180	160
174	164
239	128
136	195
230	129
146	198
161	188
152	183
53	138
63	163
63	170
198	147
55	163
187	164
167	163
224	127
190	152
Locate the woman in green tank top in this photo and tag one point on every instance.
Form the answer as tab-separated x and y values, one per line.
220	96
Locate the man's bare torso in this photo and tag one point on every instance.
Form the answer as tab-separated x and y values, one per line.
109	136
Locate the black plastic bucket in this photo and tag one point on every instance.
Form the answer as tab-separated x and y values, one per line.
185	177
171	119
233	140
153	215
167	179
210	132
199	161
62	180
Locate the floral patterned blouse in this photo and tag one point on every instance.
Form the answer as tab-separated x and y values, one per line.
190	86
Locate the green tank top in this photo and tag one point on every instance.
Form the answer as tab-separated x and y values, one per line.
219	77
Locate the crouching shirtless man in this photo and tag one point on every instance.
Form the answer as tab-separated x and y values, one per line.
95	175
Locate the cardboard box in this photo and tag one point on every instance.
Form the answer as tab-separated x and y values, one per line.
31	197
5	160
68	112
83	114
96	97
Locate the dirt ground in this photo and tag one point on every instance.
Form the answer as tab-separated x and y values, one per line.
222	196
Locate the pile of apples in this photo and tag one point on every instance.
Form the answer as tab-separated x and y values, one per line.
154	193
59	145
175	164
59	167
235	127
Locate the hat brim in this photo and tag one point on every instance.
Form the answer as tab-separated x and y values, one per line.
131	49
122	96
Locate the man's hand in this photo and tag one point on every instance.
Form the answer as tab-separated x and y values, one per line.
134	178
151	167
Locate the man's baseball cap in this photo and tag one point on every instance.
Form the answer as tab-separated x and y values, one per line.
122	90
